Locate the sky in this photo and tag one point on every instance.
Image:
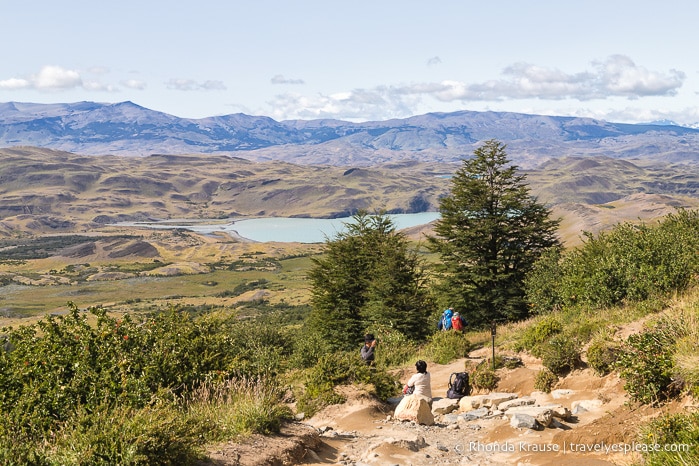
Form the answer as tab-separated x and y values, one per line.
628	61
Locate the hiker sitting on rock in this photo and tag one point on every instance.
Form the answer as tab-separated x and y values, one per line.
419	384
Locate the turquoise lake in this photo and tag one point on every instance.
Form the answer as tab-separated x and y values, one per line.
286	230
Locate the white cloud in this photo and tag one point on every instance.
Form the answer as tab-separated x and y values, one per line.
615	77
134	84
192	85
434	61
52	78
280	79
98	70
15	83
55	78
92	85
213	86
619	75
359	104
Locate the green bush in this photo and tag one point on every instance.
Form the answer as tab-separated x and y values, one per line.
444	347
629	263
394	348
561	354
539	332
106	435
340	368
680	432
645	363
545	380
602	356
483	377
542	282
66	363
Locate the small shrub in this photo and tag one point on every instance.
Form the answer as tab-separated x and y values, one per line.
602	356
394	348
156	435
484	378
545	380
561	354
678	431
444	347
511	362
538	333
341	368
645	363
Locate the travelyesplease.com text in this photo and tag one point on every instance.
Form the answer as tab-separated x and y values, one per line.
570	447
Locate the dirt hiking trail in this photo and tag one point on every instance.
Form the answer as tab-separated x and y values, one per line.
362	431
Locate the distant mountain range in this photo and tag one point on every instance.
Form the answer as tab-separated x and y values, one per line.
124	128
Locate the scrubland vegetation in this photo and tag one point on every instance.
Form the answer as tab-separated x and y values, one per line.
156	387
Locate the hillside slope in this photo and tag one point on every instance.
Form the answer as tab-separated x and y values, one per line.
44	191
362	431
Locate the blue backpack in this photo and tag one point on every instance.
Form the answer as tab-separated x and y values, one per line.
446	319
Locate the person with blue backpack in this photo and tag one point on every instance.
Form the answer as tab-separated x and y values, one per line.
445	321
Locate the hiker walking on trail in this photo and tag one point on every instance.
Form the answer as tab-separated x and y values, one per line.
444	323
451	320
419	384
458	322
368	349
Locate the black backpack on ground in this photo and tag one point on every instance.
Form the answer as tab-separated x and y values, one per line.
458	385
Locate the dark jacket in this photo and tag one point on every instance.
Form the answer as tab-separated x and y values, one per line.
368	353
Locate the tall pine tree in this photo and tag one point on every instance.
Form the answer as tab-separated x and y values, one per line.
490	233
368	277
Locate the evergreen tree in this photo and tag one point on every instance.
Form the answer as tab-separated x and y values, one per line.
490	233
368	277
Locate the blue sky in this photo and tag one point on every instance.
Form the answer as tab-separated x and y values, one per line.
619	60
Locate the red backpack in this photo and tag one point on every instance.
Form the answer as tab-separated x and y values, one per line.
457	323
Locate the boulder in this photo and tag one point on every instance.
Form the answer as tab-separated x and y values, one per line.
491	400
543	415
581	406
444	405
475	414
559	411
414	408
523	401
523	421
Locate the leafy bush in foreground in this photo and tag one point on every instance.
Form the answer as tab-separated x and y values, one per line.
67	380
678	436
535	335
483	377
602	356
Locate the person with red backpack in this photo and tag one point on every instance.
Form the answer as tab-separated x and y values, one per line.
458	323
